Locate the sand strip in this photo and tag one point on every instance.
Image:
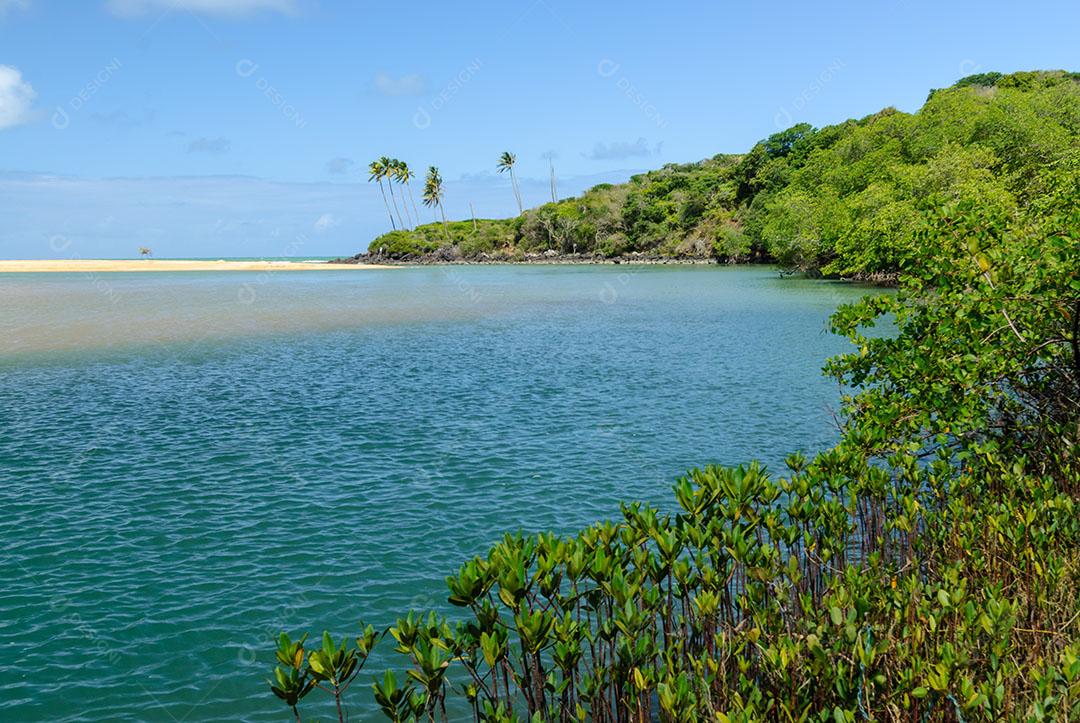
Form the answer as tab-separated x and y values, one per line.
105	265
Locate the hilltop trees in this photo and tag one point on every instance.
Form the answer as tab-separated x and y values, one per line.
844	200
506	163
550	157
388	166
378	171
402	174
433	195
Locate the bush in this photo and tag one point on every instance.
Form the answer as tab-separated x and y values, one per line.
731	242
469	239
403	244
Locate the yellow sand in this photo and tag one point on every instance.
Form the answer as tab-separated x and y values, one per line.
105	265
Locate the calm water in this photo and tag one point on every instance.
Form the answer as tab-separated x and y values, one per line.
191	462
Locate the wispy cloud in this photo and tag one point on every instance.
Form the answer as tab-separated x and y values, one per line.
326	222
225	8
402	86
123	119
339	166
215	146
7	5
16	98
621	150
479	176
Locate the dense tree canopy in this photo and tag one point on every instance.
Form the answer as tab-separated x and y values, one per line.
844	200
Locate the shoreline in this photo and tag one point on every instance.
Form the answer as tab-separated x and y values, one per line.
882	279
365	262
93	266
447	259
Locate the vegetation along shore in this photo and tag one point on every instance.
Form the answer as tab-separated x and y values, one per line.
841	201
926	568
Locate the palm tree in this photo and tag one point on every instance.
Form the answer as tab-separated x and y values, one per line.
433	195
146	252
388	168
551	156
404	174
506	163
378	171
395	177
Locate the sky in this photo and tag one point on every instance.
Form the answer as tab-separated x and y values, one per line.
218	128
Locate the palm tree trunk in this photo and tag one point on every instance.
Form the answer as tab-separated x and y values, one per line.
408	215
387	204
394	199
446	227
554	189
416	211
517	193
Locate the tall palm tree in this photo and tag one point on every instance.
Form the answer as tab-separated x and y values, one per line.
551	156
433	195
396	177
506	163
378	171
404	174
388	168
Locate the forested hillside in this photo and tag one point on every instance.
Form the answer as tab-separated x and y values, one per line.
844	200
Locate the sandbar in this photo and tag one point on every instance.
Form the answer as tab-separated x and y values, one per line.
123	265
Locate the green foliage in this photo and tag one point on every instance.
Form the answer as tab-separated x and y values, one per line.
979	79
924	569
845	200
836	588
987	348
331	668
404	244
486	236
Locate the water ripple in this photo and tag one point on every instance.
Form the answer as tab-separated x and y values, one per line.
171	501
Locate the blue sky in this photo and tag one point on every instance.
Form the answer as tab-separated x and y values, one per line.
243	127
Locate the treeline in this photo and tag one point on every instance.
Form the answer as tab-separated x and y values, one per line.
844	200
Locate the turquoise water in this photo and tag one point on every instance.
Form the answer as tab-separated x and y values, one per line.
190	463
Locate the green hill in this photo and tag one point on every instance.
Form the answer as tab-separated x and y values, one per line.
843	200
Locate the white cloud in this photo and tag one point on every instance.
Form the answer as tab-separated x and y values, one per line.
231	8
326	222
16	97
405	85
